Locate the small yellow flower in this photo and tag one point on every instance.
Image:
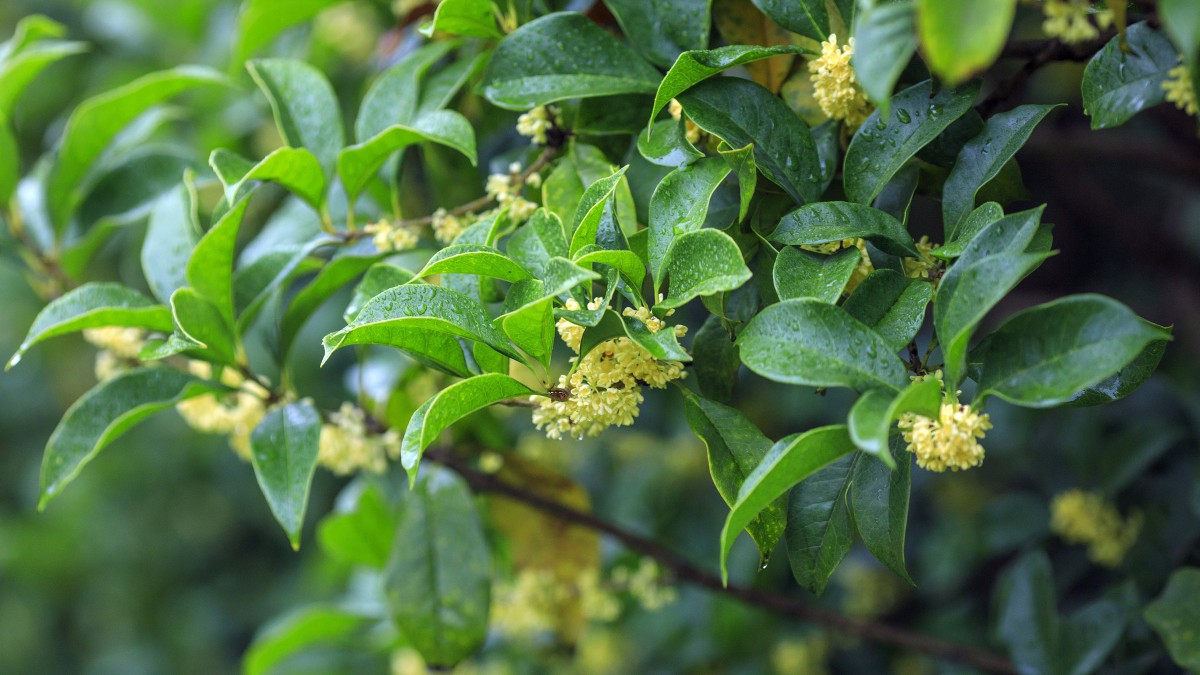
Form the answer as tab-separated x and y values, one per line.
948	442
388	237
536	123
690	130
126	343
835	86
865	266
1082	517
446	227
234	414
919	268
346	446
1179	89
1071	20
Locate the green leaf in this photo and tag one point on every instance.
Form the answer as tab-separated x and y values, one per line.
1175	614
700	263
262	20
824	222
1045	355
891	305
449	406
560	56
528	319
695	66
10	162
1118	83
94	124
379	278
363	535
591	209
94	305
306	110
627	263
879	506
806	17
202	323
814	343
170	238
985	214
29	31
871	418
357	164
661	345
210	269
983	156
537	241
1125	381
296	169
735	447
805	274
680	205
665	143
413	316
741	162
788	462
885	38
336	274
110	409
992	264
394	96
741	112
473	259
300	630
438	582
283	450
889	138
19	69
470	18
819	528
959	39
440	88
660	32
715	360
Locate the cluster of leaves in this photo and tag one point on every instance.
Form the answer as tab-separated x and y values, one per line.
737	220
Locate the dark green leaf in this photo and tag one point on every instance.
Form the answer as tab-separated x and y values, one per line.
202	323
393	98
700	263
103	414
306	109
788	462
336	274
959	39
879	505
716	362
885	39
529	319
819	527
470	18
210	269
805	274
283	450
665	143
741	162
1123	383
1118	83
806	17
741	112
560	56
813	343
679	205
1175	614
891	305
871	418
357	164
661	31
591	210
825	222
887	140
379	278
985	214
537	241
694	66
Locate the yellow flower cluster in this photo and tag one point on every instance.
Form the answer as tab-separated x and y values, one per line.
388	237
530	603
234	414
865	266
605	387
446	227
835	87
1082	517
506	191
949	442
808	655
646	584
870	590
350	29
919	268
347	446
691	131
536	123
119	347
1179	89
1070	20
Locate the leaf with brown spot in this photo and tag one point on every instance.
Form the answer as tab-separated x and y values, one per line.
741	23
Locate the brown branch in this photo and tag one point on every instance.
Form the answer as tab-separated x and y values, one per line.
684	570
1038	53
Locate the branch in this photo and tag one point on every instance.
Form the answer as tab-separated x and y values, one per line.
686	571
1038	53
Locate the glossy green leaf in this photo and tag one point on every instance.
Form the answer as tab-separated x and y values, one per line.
892	305
357	164
985	214
680	205
210	269
806	17
741	162
362	534
695	66
261	21
819	527
1118	83
660	32
992	264
110	409
528	319
469	18
406	315
440	88
735	447
283	450
438	581
336	274
741	112
306	110
170	237
94	124
814	343
879	506
700	263
1125	381
296	169
805	274
537	241
888	139
715	360
825	222
10	162
18	70
394	97
299	631
885	37
871	418
94	305
1175	614
631	267
1045	355
665	143
959	39
450	405
983	156
202	323
662	345
560	56
788	462
473	259
591	210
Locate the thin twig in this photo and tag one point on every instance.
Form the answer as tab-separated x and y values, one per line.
686	571
1038	53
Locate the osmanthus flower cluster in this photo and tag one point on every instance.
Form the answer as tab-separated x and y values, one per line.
1075	21
948	441
1087	518
835	86
1179	89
